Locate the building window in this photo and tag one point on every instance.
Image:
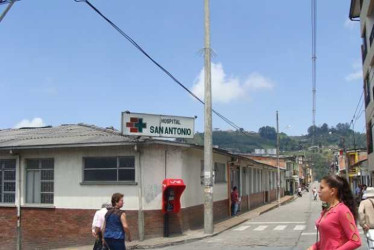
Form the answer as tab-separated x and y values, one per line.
364	48
259	180
112	169
255	181
244	181
7	181
371	35
369	134
367	90
39	181
250	180
219	172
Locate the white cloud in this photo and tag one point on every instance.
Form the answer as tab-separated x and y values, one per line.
226	89
256	81
356	74
36	122
350	24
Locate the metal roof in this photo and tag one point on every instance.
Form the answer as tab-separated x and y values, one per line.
83	135
61	136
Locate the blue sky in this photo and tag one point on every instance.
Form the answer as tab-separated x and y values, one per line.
62	63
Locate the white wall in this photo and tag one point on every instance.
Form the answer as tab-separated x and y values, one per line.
156	162
69	192
194	193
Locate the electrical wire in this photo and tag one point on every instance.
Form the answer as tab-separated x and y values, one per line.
360	114
228	121
354	119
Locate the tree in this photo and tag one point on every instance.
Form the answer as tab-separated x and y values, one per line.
324	128
268	132
312	130
343	128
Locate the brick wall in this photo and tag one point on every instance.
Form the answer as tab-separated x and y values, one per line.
244	203
256	199
273	195
8	228
187	219
45	228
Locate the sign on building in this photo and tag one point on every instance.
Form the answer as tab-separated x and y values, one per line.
157	125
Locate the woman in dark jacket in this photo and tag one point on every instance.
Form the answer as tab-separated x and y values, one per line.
115	226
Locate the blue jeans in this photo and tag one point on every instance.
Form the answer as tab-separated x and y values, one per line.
234	208
115	244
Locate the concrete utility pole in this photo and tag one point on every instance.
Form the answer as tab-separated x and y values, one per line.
208	151
278	183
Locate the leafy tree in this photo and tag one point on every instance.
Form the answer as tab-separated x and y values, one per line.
268	132
324	129
312	130
343	128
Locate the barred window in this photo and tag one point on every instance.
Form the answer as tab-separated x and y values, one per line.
111	169
7	180
40	181
219	172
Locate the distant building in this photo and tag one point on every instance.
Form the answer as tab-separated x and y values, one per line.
269	151
356	163
363	11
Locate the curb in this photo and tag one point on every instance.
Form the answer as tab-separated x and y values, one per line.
193	239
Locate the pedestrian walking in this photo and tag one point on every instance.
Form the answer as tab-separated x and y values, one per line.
97	226
299	192
314	190
366	214
336	227
115	225
234	201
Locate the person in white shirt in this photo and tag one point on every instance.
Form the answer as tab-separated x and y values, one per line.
315	193
98	223
299	191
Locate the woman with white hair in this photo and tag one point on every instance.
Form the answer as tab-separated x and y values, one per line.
366	213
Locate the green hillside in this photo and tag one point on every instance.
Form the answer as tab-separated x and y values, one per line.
324	137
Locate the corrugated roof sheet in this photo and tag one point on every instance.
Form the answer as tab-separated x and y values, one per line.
71	134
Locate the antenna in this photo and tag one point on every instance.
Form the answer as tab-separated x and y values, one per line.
314	59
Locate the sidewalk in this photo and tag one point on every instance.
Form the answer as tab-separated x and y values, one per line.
194	235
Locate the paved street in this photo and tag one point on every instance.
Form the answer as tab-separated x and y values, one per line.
290	226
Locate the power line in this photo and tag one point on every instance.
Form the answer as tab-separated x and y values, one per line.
354	119
231	123
359	115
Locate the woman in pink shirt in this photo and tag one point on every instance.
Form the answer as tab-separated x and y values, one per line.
337	224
